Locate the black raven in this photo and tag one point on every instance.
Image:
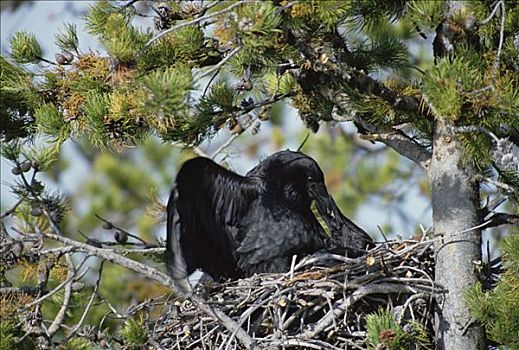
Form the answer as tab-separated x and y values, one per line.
232	226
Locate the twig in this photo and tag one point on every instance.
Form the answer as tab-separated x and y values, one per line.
60	316
61	285
129	3
209	83
194	21
87	308
473	128
146	244
108	255
268	101
456	241
485	21
499	5
13	208
501	37
195	149
47	61
496	183
220	64
246	110
225	145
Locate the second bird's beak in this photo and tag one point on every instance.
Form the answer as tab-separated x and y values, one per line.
326	207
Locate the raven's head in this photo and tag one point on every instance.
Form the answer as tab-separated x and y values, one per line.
301	181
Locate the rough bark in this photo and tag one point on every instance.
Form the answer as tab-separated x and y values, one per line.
455	204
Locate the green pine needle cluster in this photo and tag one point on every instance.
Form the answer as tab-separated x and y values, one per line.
274	84
77	344
255	25
134	333
68	39
18	102
498	308
186	45
50	122
427	13
385	333
113	26
9	332
380	53
25	48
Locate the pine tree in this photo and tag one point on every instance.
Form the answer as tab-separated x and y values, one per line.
204	67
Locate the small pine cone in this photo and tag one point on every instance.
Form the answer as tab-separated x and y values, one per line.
64	57
68	55
16	171
121	237
25	166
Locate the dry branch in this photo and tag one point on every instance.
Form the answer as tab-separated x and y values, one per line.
320	304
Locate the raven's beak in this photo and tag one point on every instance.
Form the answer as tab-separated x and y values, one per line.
326	207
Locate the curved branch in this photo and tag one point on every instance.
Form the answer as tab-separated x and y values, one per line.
162	278
60	316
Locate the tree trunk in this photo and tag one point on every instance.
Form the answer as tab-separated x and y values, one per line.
455	204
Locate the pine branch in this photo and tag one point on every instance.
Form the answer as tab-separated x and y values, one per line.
340	74
12	209
220	64
110	226
413	150
403	145
109	255
188	23
327	82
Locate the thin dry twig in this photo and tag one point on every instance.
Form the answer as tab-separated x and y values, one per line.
89	305
220	64
108	255
317	304
60	316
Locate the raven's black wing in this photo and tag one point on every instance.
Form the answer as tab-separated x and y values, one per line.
205	210
274	234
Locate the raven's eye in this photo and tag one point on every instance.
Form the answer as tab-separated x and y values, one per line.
310	178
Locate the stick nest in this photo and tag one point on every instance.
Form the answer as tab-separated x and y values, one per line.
322	303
